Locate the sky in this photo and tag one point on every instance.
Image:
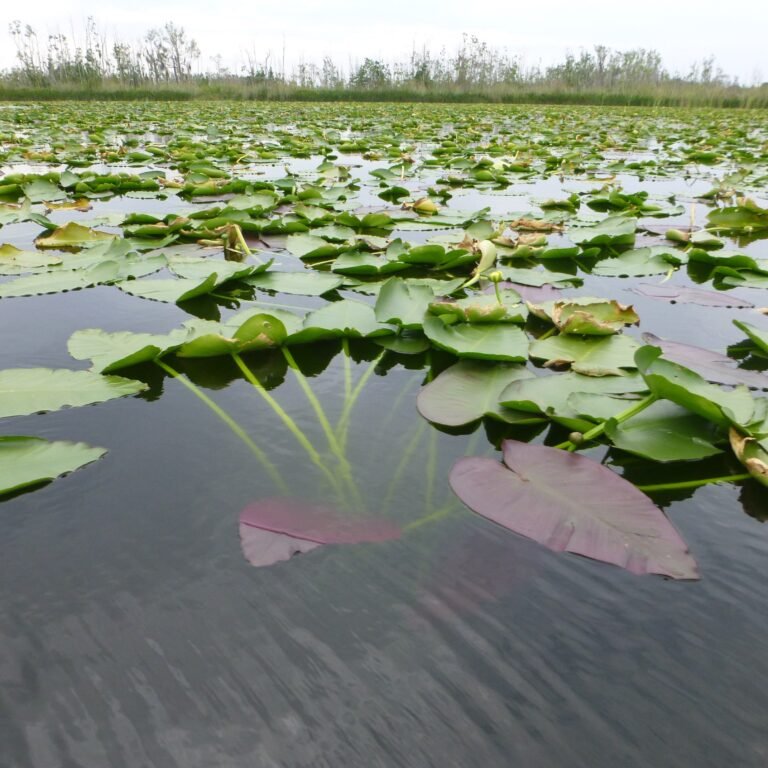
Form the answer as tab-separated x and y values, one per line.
307	30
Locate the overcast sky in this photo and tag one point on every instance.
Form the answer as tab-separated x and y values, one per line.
541	32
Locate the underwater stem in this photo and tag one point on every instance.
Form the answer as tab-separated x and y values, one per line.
231	423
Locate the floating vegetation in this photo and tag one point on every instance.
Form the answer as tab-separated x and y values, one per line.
425	238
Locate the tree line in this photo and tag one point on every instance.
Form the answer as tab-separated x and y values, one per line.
168	57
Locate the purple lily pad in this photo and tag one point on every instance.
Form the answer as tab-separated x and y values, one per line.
685	295
276	529
569	503
710	365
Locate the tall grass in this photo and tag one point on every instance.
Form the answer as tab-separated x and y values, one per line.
663	95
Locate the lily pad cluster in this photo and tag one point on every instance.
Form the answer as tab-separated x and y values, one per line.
427	235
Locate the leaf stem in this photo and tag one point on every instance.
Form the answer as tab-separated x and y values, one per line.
291	425
598	430
231	423
330	435
693	483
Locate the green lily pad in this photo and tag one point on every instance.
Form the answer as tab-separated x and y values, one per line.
305	283
469	390
489	341
403	302
26	461
611	231
110	352
670	381
73	235
605	356
664	432
32	390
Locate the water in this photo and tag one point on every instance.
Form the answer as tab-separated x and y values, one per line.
135	634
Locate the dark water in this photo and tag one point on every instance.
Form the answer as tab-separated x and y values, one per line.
135	634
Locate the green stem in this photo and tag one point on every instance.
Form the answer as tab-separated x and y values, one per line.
342	428
438	514
598	430
347	369
431	470
293	428
551	332
231	423
405	459
330	435
693	483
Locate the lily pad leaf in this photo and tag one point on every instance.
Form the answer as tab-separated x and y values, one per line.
304	283
170	290
469	390
402	302
14	260
561	397
586	316
685	295
110	352
670	381
758	336
605	356
664	432
339	319
638	262
487	341
73	235
481	309
26	461
538	277
32	390
199	269
257	330
567	502
355	263
276	529
65	280
611	231
710	365
311	246
748	216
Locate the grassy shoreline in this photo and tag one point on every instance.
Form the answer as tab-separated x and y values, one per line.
667	96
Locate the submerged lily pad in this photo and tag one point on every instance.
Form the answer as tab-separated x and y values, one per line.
570	503
276	529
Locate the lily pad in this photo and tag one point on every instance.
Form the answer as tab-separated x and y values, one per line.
110	352
681	385
33	390
664	432
275	529
304	283
567	502
73	235
26	461
605	356
710	365
685	295
469	390
487	341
